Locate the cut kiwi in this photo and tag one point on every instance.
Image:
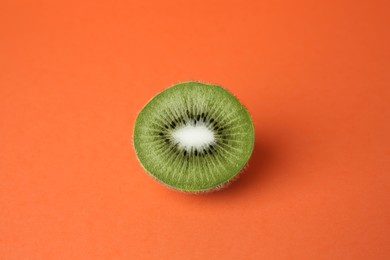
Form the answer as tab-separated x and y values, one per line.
194	137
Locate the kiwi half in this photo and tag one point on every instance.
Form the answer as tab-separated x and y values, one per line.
194	137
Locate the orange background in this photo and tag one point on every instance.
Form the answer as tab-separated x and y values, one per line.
314	75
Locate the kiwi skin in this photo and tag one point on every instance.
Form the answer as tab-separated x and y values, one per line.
219	187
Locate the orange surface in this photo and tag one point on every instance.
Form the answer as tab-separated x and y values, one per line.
314	75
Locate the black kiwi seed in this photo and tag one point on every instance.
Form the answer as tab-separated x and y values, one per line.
166	126
198	117
211	120
160	134
185	153
196	152
173	124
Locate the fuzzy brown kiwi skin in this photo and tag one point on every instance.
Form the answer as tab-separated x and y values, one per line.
219	187
223	185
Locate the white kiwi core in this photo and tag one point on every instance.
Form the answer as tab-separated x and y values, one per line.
193	137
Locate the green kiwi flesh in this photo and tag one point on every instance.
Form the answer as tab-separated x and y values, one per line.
170	147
